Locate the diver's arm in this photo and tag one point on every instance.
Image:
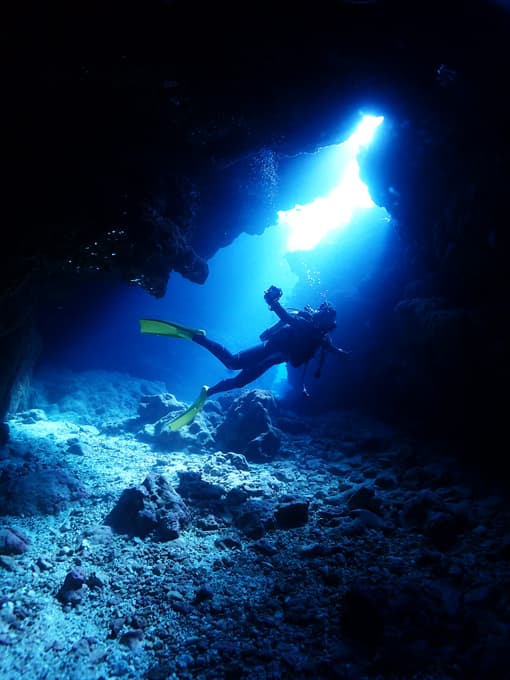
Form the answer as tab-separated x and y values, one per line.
272	296
328	345
284	315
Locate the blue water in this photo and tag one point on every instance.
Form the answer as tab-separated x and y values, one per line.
353	267
102	330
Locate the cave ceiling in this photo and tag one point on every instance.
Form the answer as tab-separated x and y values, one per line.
143	137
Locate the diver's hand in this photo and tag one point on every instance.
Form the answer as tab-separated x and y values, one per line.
344	353
272	294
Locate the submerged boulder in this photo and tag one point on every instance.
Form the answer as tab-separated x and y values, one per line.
248	427
13	541
153	508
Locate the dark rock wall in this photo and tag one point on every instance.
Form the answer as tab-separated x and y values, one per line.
442	180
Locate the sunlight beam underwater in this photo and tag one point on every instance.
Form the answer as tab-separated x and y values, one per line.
308	224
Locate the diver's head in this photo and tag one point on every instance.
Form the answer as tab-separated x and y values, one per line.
324	318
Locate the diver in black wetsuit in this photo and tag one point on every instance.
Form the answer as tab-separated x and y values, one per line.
295	339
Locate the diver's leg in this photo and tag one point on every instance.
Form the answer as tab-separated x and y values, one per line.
247	375
244	359
222	353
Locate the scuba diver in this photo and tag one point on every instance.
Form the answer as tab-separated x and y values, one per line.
294	339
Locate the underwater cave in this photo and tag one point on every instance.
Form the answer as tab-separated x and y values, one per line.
197	478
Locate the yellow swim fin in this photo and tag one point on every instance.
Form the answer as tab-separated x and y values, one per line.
188	415
168	328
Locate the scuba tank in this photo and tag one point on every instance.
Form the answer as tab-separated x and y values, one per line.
269	332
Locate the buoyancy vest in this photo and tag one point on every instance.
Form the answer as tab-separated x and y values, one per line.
298	343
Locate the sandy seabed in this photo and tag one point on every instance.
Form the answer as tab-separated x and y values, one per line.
400	570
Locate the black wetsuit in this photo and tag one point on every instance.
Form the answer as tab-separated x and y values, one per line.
294	340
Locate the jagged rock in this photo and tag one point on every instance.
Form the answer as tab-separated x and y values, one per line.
71	591
255	518
33	415
191	485
152	508
77	448
118	427
236	496
13	541
132	638
248	426
152	407
198	434
236	460
248	416
264	447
